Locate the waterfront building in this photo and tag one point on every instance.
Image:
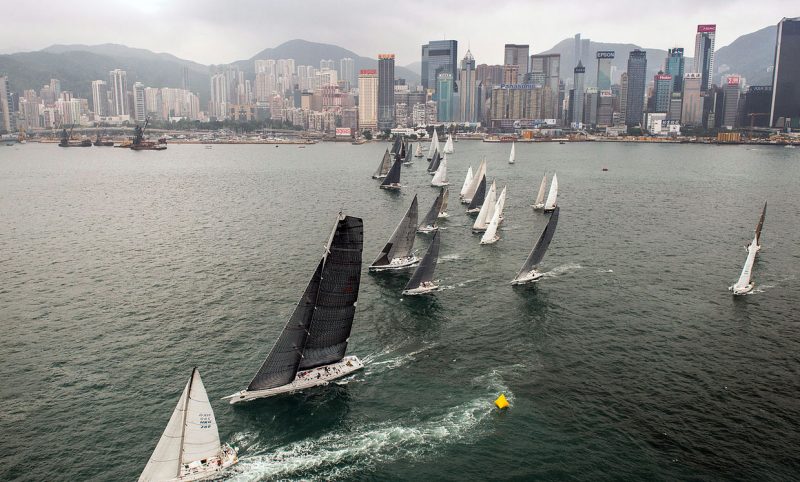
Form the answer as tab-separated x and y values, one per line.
675	104
347	70
578	98
692	108
732	92
139	112
591	100
623	97
605	109
546	70
6	106
517	54
512	104
118	84
468	90
662	92
674	65
385	91
219	96
704	54
604	60
510	74
100	98
444	97
637	71
756	106
438	56
785	108
368	99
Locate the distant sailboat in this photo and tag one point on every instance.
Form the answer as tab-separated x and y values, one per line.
434	164
467	181
512	156
538	204
440	176
392	179
491	236
418	152
189	448
428	224
487	211
408	159
528	273
744	285
475	204
310	350
422	280
434	147
445	196
552	196
474	184
448	146
384	166
397	254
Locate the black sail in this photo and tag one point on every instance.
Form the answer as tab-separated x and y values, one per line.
402	240
383	167
435	161
427	266
480	195
433	212
760	224
393	177
335	306
409	155
537	254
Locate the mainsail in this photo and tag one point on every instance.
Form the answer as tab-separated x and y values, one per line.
537	253
418	152
467	181
490	236
440	177
393	177
409	156
435	161
552	196
512	157
402	240
448	146
760	224
443	209
383	167
191	434
743	283
540	196
424	272
475	183
434	144
480	193
433	212
487	210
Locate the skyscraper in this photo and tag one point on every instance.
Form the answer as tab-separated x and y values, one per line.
100	97
368	99
786	76
385	91
139	106
578	96
546	70
623	96
444	97
515	54
6	116
733	92
468	89
604	60
347	70
692	109
662	91
118	82
704	54
185	78
674	65
637	71
438	56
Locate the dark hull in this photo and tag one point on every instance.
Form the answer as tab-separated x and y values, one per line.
75	144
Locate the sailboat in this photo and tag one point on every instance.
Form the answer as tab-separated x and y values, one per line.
422	280
448	146
512	156
434	147
467	181
418	152
428	223
384	166
474	184
189	448
487	210
745	285
491	236
443	209
538	204
408	159
397	254
475	204
310	351
434	164
440	176
551	202
392	179
528	273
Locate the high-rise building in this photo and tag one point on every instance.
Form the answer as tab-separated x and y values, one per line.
118	83
786	75
675	104
704	54
732	91
604	60
756	106
623	96
219	96
605	109
591	99
327	64
185	85
517	54
139	105
662	92
674	65
100	98
438	56
444	97
692	109
581	51
546	70
468	89
55	87
6	112
368	99
578	95
510	74
637	71
347	70
385	91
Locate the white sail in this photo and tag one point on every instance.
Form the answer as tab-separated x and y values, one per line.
476	181
539	202
490	236
448	146
434	144
552	196
512	157
440	177
467	181
743	284
487	210
191	434
418	152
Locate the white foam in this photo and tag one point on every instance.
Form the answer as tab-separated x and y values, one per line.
563	269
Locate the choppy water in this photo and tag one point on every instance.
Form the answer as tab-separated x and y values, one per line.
121	270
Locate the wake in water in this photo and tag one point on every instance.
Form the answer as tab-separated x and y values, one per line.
449	257
563	269
344	453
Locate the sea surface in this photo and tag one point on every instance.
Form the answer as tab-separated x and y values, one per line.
630	360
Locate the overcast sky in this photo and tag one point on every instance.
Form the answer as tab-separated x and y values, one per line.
221	31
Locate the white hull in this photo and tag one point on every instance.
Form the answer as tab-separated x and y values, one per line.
474	210
212	468
396	263
742	291
537	207
491	241
532	277
443	215
391	186
427	229
379	177
305	379
440	184
420	290
550	210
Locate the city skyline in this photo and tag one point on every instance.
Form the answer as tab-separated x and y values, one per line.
202	26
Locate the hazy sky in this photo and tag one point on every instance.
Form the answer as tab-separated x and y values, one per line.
221	31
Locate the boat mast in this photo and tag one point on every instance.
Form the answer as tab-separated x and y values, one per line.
183	423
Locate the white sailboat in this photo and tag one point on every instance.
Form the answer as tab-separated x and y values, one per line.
474	184
487	211
384	166
528	272
448	146
397	252
512	156
418	152
434	147
440	176
744	284
310	351
443	208
467	181
552	196
422	281
538	204
189	448
491	236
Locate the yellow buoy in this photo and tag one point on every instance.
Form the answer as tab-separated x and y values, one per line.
501	402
